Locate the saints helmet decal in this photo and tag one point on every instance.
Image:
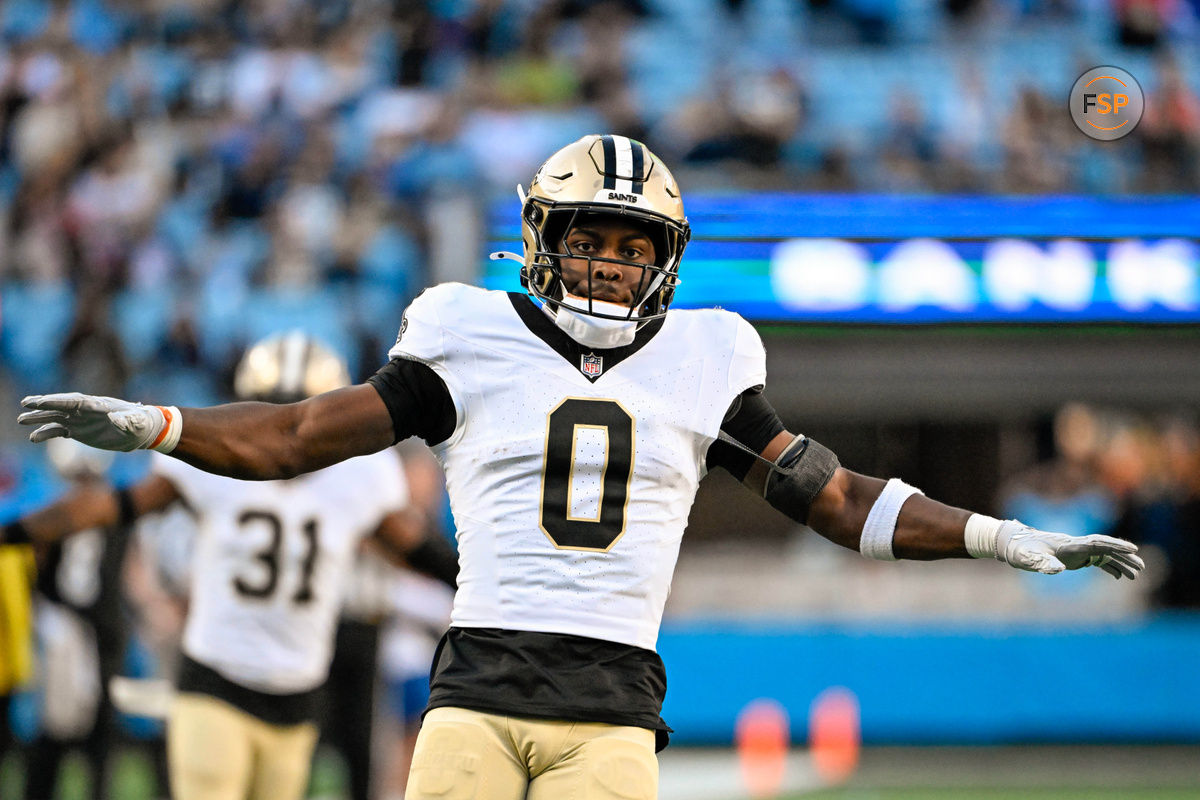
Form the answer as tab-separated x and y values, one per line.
605	175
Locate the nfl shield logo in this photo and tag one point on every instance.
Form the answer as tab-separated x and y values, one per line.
591	365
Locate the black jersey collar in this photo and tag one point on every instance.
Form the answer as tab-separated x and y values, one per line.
592	362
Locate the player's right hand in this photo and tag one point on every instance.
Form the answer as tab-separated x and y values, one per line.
103	422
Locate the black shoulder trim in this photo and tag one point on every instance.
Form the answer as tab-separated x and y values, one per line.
544	328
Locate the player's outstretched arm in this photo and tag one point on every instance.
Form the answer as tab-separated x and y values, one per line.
251	441
91	505
407	539
889	519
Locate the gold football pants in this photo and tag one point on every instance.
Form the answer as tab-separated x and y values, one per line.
218	752
469	755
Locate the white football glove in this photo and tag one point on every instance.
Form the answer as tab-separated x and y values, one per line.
103	422
1023	547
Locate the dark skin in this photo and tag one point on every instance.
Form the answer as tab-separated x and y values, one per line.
94	505
264	441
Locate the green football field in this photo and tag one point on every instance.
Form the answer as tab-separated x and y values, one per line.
1016	793
918	773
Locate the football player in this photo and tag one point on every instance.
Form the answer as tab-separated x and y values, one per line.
268	573
574	424
82	632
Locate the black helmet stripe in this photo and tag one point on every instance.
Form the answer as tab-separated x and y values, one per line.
609	167
639	166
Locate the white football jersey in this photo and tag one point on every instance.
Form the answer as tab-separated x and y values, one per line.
571	495
270	563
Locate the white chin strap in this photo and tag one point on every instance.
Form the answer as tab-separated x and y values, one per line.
595	331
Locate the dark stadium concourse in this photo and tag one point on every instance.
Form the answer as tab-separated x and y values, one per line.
953	409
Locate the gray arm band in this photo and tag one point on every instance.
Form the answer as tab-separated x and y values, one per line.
798	476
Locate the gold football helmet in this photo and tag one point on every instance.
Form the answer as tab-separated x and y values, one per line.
75	461
611	175
288	367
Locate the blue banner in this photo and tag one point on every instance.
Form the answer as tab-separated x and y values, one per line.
867	259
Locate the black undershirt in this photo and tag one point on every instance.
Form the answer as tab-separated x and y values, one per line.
274	709
552	675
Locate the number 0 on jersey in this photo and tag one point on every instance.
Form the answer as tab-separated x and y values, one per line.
588	462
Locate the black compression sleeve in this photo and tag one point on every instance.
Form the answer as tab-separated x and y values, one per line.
436	558
753	422
15	533
417	399
126	513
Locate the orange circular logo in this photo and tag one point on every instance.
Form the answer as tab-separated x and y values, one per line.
1106	103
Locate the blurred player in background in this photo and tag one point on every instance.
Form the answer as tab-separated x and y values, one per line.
267	580
348	718
421	615
574	427
383	598
16	643
82	630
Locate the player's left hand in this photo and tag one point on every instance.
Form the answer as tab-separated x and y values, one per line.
1042	551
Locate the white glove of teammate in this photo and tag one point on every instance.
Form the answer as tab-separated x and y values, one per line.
1023	547
103	422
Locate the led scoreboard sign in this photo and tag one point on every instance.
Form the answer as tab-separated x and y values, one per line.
868	259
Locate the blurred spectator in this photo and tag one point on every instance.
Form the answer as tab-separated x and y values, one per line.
201	148
1033	161
1143	23
908	146
1170	132
1163	513
93	354
748	122
1065	493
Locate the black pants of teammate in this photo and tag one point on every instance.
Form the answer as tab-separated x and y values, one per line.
44	756
350	701
6	737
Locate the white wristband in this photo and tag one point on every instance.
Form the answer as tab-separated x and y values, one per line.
880	527
169	436
980	535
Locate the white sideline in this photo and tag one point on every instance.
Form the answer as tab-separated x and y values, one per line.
714	774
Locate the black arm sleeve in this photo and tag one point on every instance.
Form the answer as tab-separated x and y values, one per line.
417	399
752	421
436	558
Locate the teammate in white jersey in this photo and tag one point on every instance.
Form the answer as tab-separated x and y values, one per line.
574	424
269	571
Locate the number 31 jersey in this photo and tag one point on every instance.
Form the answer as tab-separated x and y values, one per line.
571	471
270	563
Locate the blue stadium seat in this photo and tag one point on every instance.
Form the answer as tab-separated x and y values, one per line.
181	386
391	258
34	322
316	311
377	308
142	318
218	318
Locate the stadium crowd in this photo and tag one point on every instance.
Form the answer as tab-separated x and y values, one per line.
1129	475
178	178
180	155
